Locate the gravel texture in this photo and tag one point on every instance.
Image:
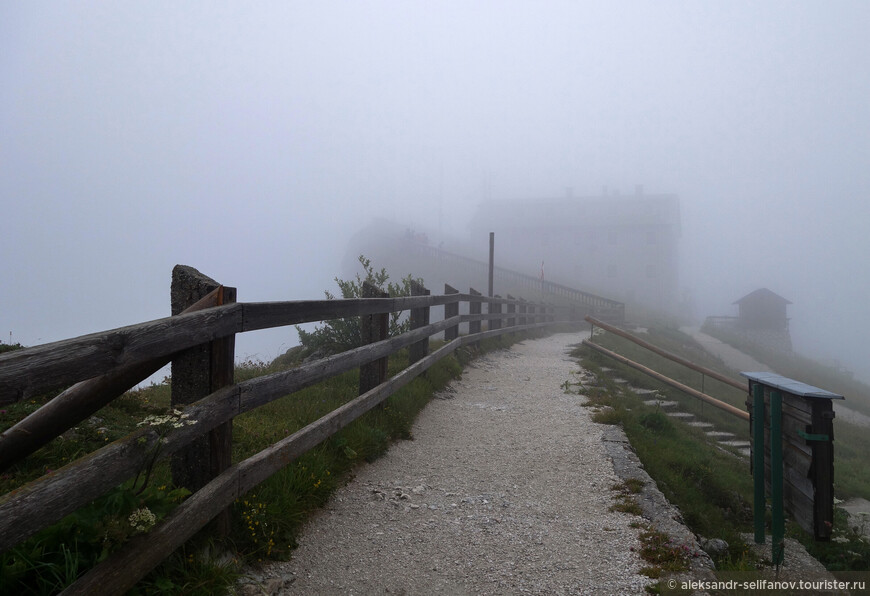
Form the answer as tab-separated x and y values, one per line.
505	489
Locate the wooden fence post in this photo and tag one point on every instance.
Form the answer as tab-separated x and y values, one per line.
451	310
495	308
522	313
374	328
419	318
474	309
511	309
197	372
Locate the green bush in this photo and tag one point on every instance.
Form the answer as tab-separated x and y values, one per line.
339	335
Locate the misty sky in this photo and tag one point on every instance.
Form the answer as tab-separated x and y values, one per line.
249	140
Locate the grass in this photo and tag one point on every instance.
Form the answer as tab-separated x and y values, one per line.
711	487
265	522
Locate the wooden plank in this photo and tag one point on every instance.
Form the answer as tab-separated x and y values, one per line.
38	369
266	315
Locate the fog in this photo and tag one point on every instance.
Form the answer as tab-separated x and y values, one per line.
251	140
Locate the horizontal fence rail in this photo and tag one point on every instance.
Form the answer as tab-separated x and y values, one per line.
105	364
42	368
664	353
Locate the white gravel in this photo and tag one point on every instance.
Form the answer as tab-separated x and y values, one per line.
505	489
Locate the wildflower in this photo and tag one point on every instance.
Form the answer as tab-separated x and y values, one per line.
142	519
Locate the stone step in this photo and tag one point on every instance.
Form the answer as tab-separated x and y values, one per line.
735	444
718	434
681	415
745	452
701	424
642	391
660	403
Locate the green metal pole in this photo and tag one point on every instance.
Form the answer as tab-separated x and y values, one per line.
778	525
758	460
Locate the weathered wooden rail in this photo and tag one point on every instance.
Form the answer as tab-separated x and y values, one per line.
105	364
667	380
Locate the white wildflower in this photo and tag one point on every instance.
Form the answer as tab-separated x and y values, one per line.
142	519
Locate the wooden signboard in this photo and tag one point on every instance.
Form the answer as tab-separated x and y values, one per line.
802	462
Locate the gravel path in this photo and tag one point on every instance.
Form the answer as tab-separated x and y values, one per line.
505	489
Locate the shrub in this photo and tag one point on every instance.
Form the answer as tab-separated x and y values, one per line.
339	335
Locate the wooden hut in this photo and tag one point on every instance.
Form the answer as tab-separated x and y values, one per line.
763	310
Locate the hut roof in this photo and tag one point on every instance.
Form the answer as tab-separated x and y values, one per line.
762	294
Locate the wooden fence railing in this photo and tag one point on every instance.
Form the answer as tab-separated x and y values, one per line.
603	308
106	364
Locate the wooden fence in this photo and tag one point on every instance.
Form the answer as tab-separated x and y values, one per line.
106	364
603	308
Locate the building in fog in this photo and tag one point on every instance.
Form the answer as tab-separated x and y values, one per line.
624	247
762	309
761	320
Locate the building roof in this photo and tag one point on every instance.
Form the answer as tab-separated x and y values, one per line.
762	294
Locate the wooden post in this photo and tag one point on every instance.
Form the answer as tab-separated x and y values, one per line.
757	425
197	372
374	328
511	309
451	310
419	318
474	309
777	524
495	308
221	437
522	313
491	262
